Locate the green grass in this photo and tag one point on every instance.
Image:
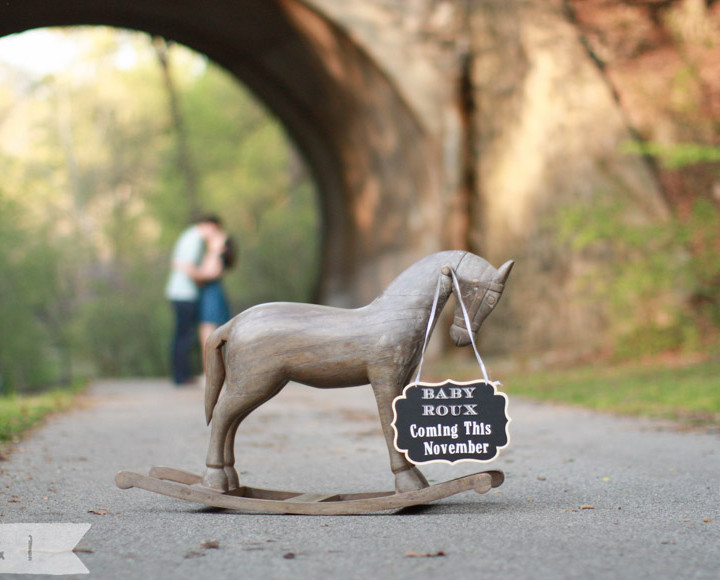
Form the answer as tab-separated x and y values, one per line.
688	393
19	413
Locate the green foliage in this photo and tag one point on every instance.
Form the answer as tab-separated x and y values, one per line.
675	155
125	331
18	413
659	277
287	229
701	234
93	201
31	343
688	393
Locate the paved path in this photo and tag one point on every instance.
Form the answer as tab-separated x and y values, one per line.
653	491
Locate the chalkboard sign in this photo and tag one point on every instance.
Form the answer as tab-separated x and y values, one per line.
450	422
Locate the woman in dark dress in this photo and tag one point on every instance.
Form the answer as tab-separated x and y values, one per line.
214	308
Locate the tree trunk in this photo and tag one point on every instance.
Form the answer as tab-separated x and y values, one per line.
185	163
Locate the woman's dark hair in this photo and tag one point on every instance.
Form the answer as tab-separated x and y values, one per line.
230	253
211	218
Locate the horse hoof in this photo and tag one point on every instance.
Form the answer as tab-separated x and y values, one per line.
232	477
215	478
410	480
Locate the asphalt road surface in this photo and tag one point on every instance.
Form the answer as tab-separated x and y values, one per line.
586	495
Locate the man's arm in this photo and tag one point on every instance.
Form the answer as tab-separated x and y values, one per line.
211	266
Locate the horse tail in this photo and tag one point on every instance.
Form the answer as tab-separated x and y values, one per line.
214	368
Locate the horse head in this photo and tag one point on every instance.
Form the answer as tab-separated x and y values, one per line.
481	286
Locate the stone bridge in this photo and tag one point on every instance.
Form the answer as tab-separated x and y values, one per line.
427	125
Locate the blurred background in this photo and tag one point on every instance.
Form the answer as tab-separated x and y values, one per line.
580	138
109	142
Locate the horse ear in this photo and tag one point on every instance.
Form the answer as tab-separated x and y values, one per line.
504	271
446	271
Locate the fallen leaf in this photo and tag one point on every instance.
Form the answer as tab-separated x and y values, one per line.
289	556
541	478
210	545
100	511
707	520
586	507
193	554
412	554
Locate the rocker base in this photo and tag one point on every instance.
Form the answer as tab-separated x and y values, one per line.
187	486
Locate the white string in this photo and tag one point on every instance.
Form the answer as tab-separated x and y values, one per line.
458	295
433	311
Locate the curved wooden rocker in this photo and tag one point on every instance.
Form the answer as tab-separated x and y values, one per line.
187	486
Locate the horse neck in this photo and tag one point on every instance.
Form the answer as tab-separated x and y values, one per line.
416	286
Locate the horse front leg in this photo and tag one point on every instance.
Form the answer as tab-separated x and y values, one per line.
407	476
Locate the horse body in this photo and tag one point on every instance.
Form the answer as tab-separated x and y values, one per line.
269	345
314	345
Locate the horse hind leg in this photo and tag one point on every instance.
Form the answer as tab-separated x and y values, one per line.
227	415
223	417
229	412
229	456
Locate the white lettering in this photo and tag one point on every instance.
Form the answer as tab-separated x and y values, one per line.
438	430
473	428
431	448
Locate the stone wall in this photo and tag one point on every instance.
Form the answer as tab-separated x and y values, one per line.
526	125
549	136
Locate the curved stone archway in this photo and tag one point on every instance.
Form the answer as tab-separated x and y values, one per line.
374	166
427	125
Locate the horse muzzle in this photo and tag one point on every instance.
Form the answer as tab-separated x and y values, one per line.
459	335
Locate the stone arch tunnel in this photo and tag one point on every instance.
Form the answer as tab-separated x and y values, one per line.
367	150
427	125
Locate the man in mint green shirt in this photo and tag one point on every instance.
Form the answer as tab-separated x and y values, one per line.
184	293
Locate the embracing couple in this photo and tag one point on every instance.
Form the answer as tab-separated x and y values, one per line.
201	255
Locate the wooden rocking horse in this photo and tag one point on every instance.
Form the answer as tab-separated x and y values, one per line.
251	358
